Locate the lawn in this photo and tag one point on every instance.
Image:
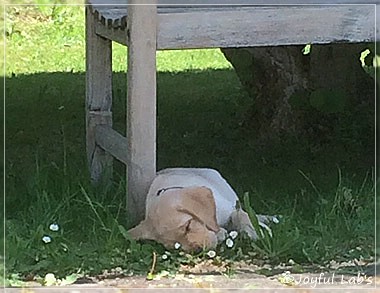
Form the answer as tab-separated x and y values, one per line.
324	192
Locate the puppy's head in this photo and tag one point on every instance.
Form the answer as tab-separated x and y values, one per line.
186	215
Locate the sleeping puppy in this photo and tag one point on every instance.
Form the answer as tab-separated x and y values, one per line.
193	207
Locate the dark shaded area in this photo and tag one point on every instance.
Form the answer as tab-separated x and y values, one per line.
200	123
322	95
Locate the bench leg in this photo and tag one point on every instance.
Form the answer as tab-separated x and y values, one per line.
98	98
141	106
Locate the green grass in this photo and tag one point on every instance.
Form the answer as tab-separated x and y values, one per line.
324	192
60	45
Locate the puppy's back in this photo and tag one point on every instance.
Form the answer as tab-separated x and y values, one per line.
224	196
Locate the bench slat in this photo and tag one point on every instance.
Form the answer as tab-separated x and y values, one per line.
259	26
112	142
115	11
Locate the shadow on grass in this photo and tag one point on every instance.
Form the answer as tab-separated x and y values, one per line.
200	117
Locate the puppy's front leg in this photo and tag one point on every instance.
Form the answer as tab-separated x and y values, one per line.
240	222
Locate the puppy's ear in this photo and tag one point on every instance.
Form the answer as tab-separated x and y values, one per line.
200	204
142	231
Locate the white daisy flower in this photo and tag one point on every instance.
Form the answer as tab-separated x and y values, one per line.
229	242
164	256
46	239
211	253
50	280
54	227
177	245
233	234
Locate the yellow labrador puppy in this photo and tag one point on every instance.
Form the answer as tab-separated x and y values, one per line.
193	207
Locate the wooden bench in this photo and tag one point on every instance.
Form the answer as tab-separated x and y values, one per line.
165	25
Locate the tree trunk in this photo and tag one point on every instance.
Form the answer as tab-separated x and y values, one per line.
293	93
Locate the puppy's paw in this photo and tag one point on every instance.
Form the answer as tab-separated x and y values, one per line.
240	221
268	219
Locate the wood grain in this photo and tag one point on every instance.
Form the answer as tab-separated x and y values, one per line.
98	97
141	106
232	26
112	142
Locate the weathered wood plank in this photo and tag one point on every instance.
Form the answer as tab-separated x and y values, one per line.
263	26
98	97
260	26
115	12
141	106
112	142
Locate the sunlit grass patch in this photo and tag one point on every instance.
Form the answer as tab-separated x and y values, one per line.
55	41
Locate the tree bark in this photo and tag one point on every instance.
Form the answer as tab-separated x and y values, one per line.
293	93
